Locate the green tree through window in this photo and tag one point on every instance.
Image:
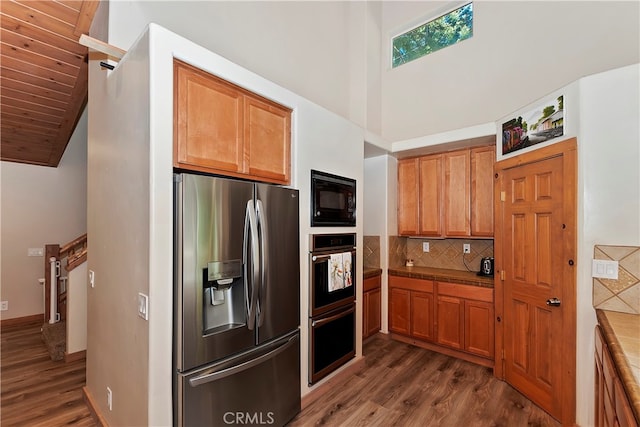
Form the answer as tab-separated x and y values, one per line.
441	32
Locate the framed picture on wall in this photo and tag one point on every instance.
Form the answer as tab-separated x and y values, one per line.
540	124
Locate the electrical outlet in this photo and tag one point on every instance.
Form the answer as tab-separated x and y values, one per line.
143	306
466	248
109	399
425	246
92	278
35	252
4	305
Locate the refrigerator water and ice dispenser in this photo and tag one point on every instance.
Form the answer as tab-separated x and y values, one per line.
223	302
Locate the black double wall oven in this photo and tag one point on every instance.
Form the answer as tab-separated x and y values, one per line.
332	315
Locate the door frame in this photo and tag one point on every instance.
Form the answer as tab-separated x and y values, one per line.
568	151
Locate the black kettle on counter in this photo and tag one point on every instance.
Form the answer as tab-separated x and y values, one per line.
486	266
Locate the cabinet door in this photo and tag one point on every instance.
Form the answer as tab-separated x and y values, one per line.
399	310
479	328
408	190
430	208
267	140
624	414
482	160
208	121
450	322
599	394
371	321
422	315
456	194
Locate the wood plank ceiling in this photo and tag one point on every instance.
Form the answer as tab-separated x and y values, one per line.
43	77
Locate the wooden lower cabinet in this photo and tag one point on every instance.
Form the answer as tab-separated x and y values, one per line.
411	307
612	407
479	328
445	315
399	310
465	317
371	307
450	321
422	315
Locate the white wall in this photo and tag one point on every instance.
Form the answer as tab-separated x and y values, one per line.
314	49
77	309
40	205
609	196
379	212
518	52
118	206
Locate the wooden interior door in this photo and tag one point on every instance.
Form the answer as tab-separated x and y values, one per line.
538	250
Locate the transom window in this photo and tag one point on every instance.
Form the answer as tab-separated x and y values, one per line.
433	35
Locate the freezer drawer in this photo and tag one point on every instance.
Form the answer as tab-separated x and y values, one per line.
260	387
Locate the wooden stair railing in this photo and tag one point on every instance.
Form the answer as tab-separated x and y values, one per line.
75	253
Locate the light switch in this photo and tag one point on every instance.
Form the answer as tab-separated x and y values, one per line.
604	269
143	306
425	246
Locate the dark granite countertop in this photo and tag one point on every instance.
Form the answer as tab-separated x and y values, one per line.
443	275
621	332
369	272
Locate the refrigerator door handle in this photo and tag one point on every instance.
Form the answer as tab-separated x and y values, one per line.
214	376
250	232
264	260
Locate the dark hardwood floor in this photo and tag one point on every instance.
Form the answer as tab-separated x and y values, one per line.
35	391
400	385
403	385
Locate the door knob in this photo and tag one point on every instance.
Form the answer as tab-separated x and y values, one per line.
553	302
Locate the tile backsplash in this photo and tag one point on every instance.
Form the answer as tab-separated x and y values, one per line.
622	294
371	254
443	253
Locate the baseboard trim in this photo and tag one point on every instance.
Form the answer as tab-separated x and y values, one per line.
72	357
22	321
93	408
329	384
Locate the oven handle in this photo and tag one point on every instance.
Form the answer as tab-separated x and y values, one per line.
326	256
214	376
320	322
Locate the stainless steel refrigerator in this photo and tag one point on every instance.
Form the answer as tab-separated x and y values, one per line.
237	302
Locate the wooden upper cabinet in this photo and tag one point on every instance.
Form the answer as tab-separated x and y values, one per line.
482	160
447	194
224	129
430	212
267	136
208	121
457	185
408	190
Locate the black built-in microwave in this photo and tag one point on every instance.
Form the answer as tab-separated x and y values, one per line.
333	200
